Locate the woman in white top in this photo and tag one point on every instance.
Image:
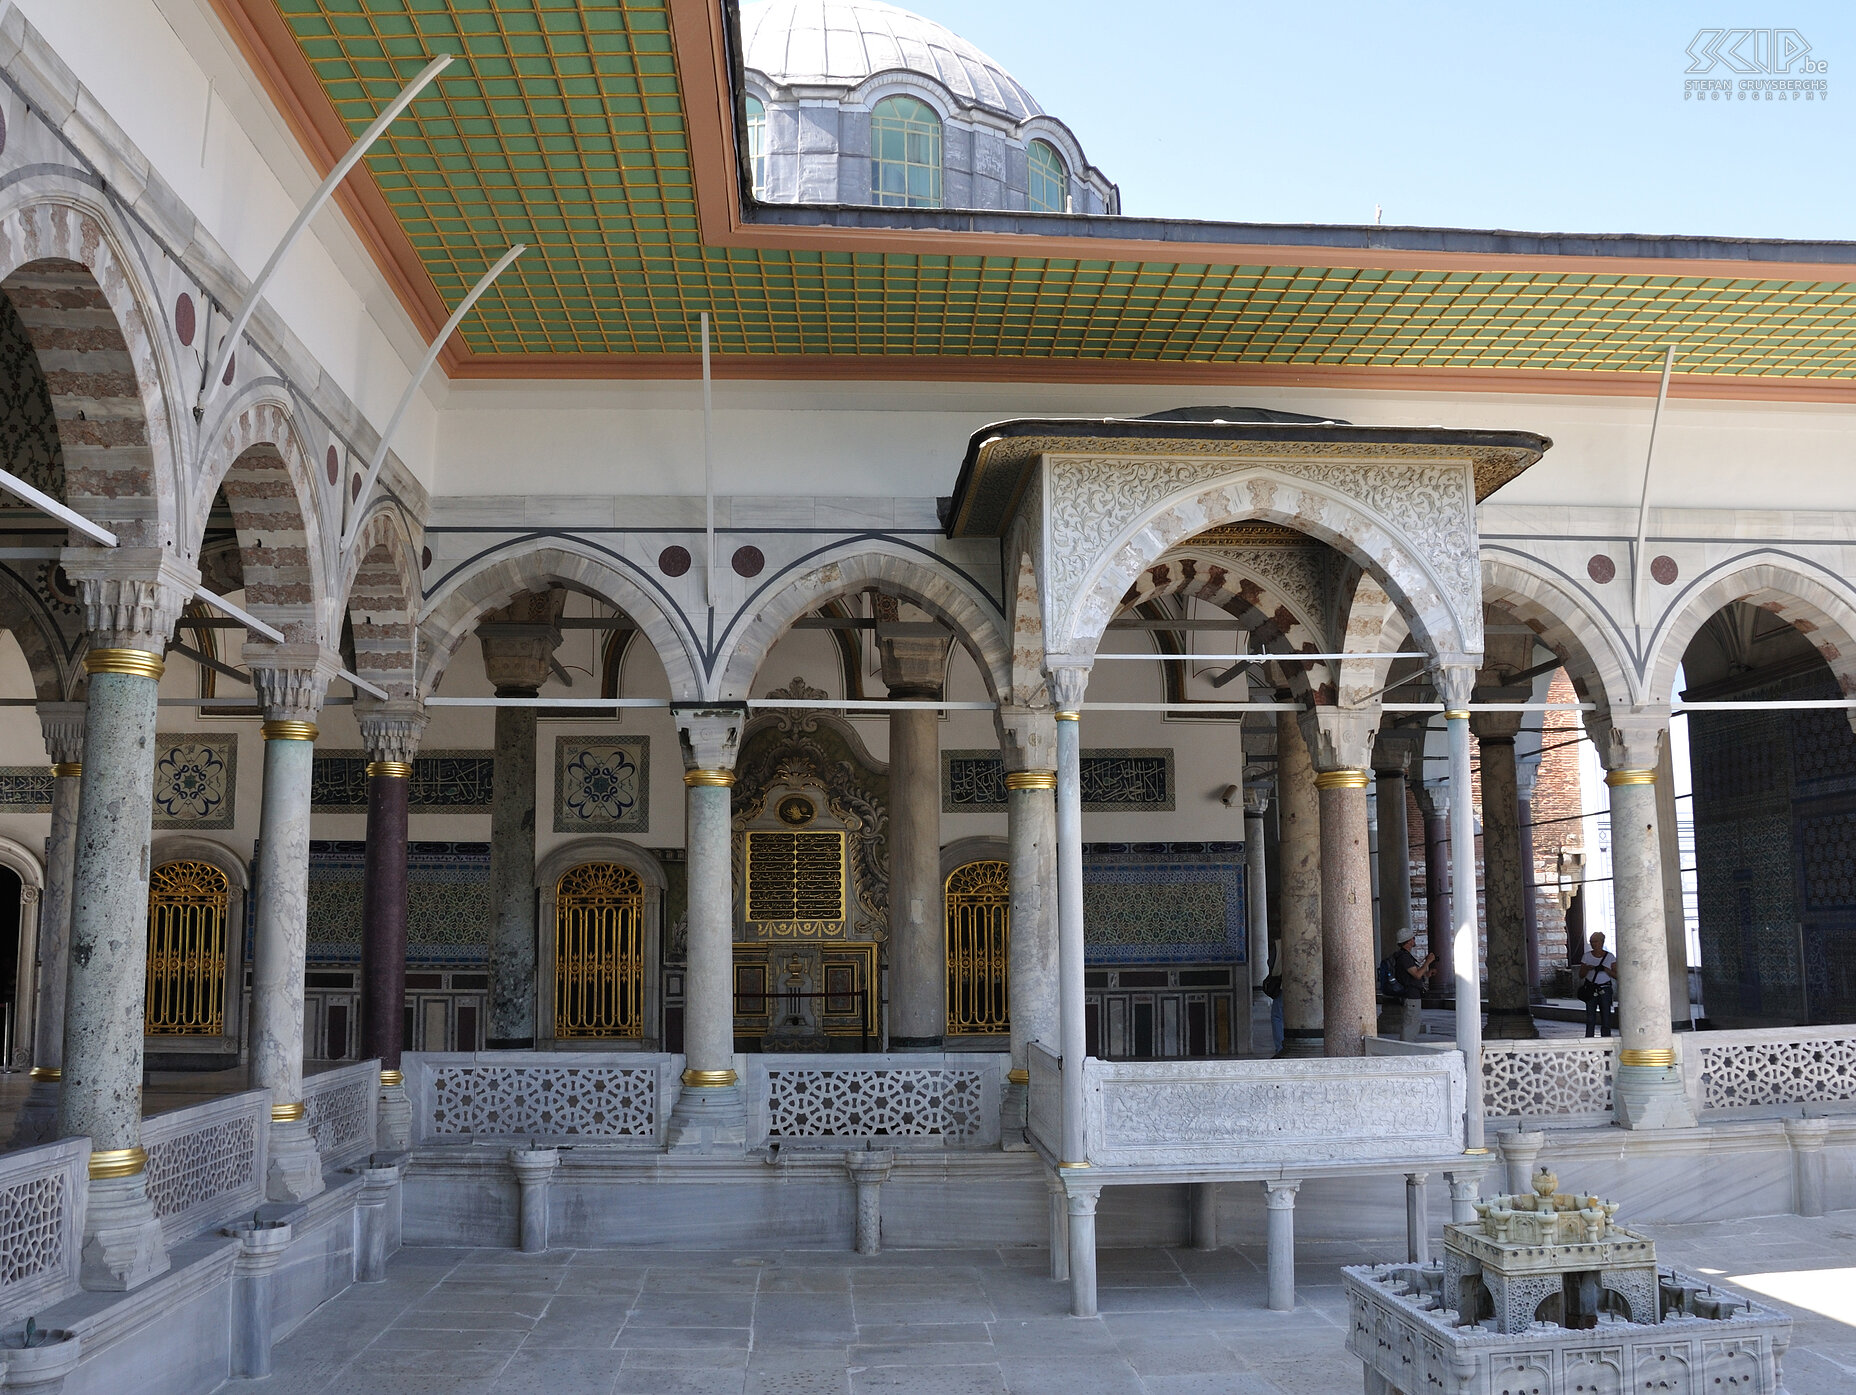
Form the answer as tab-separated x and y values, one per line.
1598	985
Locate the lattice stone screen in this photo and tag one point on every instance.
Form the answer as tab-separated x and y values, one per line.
341	1108
41	1222
206	1163
1787	1065
582	1096
1553	1078
948	1100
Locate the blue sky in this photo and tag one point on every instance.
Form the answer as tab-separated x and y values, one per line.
1565	117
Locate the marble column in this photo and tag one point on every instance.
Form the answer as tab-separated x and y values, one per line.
63	726
1434	806
1527	772
1455	682
1256	894
1341	746
1509	1016
1675	920
518	655
1390	761
1647	1090
1298	818
291	680
710	1115
1028	744
914	664
1067	684
390	732
131	599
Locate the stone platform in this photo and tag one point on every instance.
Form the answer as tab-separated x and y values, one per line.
786	1321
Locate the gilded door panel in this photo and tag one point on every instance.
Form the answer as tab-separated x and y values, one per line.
599	953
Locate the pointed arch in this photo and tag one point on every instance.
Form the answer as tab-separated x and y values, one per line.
834	572
531	565
1818	603
1587	644
86	310
1375	626
380	593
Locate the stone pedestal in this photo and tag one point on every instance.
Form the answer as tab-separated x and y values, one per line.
1463	1187
914	665
1298	818
710	1115
123	1246
1059	1228
1807	1137
1082	1201
534	1169
260	1250
374	1220
869	1170
1417	1217
291	680
1203	1198
1520	1150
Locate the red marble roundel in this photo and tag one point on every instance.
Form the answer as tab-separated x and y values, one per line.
183	318
2	132
748	561
1663	570
231	367
673	560
354	487
335	466
425	559
1601	568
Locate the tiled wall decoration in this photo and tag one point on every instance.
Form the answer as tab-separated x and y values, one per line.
26	789
196	779
1114	781
447	895
1156	903
602	784
443	782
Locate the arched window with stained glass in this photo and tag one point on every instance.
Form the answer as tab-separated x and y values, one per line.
905	154
1049	190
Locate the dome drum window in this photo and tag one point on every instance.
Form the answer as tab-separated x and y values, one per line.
905	154
1049	187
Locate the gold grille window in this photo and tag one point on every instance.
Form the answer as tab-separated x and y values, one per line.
795	876
599	952
186	951
979	915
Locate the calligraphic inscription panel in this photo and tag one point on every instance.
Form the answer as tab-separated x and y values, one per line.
795	876
1114	781
443	782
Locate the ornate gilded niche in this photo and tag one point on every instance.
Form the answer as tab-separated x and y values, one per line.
811	881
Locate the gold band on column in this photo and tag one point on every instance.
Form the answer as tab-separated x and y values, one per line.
137	662
289	731
67	770
286	1113
46	1073
1630	777
1662	1058
1018	1077
1457	714
708	1079
389	769
392	1077
1031	779
1069	717
1342	780
721	779
117	1162
1068	1165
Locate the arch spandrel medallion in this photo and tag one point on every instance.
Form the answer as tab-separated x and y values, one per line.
599	953
187	913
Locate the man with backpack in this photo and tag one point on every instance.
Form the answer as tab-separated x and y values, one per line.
1402	978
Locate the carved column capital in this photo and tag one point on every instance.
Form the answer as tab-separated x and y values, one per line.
1628	740
292	679
1256	801
1069	680
1027	738
1455	683
710	733
914	658
391	730
63	725
131	595
519	641
1433	800
1340	738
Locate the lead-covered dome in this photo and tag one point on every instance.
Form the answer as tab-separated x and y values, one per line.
839	43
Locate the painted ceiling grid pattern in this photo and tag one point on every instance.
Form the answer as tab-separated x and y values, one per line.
563	126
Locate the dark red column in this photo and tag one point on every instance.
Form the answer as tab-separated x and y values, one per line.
383	915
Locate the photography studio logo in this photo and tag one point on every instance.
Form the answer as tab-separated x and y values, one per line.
1754	65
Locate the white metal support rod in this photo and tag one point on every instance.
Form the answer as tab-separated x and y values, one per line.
425	366
1642	568
275	635
1259	658
13	484
708	471
342	166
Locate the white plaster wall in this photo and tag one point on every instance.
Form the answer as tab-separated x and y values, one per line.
149	64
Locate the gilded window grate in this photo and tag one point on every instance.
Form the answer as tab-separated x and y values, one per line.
599	952
186	951
795	876
979	917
